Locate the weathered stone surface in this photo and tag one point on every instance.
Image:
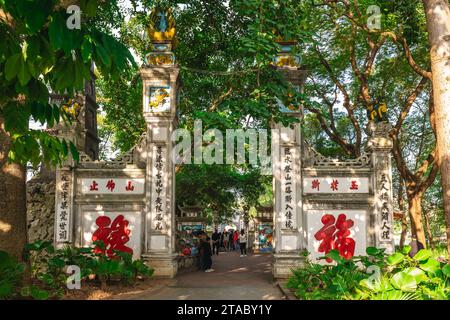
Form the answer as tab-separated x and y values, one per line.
40	209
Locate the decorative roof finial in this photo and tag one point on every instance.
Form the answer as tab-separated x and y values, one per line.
161	30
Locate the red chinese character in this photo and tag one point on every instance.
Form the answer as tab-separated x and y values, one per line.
93	186
354	185
110	185
129	186
315	184
334	235
114	235
334	185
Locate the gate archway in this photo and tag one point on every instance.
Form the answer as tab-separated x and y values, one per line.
312	193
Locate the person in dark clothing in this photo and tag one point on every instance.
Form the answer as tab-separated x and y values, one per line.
216	241
231	241
205	253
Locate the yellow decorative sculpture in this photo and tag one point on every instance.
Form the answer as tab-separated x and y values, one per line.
162	25
287	57
286	61
159	99
378	112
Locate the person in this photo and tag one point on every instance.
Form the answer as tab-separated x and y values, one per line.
243	243
216	241
231	241
225	240
205	253
236	240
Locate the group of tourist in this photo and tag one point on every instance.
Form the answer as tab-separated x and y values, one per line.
231	240
228	240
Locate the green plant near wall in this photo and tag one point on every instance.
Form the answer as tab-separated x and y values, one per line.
420	277
49	266
376	276
10	275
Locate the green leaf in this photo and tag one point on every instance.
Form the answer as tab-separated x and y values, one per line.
372	251
49	115
91	8
57	262
25	291
103	55
406	250
33	47
23	74
431	266
56	31
395	258
35	19
418	274
74	152
422	255
86	50
336	256
65	148
12	66
39	294
404	282
446	270
56	114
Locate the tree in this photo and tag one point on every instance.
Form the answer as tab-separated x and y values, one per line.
438	22
352	75
40	52
228	83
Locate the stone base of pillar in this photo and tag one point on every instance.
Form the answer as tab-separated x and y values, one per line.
165	266
283	263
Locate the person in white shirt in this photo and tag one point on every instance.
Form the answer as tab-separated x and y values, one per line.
243	243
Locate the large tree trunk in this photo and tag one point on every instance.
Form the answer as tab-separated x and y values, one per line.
415	215
438	24
13	214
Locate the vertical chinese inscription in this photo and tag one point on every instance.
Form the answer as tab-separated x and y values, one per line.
159	188
384	198
288	189
63	207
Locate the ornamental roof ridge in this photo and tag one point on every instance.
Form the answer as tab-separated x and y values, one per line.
120	161
313	158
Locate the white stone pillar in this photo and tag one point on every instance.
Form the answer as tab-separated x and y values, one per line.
287	189
160	91
380	146
288	220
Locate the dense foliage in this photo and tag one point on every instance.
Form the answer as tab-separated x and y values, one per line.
49	270
39	57
377	276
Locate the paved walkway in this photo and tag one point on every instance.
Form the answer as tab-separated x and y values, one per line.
235	278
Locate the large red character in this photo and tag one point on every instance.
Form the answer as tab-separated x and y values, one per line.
334	235
114	235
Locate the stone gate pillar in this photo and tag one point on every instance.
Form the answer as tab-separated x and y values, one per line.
379	145
287	174
160	81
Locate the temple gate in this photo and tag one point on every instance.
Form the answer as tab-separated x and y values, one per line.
322	203
319	203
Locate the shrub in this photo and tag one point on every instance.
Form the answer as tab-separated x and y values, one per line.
49	265
396	277
11	273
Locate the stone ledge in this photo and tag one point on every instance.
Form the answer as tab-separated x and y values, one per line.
288	294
